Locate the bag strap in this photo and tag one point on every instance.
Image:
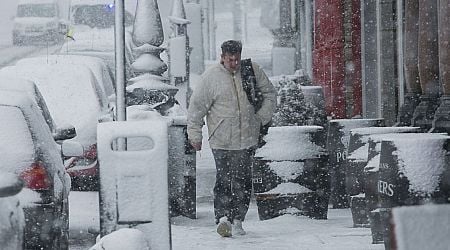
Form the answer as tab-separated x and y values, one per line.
250	85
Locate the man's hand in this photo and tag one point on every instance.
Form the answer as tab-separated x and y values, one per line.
196	145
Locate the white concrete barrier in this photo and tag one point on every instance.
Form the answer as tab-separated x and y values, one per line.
133	183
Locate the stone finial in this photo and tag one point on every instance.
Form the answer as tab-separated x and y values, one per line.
178	9
147	26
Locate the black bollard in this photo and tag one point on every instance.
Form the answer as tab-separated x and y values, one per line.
359	212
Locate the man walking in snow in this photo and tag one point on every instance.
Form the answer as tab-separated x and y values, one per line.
233	123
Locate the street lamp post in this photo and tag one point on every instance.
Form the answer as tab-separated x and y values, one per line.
119	36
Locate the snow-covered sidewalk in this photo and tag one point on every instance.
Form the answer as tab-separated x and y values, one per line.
284	232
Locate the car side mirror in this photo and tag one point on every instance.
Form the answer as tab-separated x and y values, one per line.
10	185
64	133
72	149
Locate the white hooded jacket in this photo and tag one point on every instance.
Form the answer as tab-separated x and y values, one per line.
230	117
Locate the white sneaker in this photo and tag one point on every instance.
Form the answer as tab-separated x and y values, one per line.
224	227
237	228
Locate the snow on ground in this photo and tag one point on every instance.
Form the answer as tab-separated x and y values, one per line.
84	220
284	232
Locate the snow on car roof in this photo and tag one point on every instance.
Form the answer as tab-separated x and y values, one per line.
98	66
18	135
69	93
15	133
87	39
20	84
90	40
14	98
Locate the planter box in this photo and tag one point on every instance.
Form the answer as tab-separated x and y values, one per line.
290	173
337	146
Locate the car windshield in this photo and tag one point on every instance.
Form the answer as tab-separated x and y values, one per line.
94	16
36	10
16	144
99	16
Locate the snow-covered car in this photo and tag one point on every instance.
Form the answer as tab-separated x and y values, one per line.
18	84
29	151
99	43
95	13
12	220
99	68
40	19
73	96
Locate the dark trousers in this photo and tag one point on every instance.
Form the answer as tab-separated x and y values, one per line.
233	186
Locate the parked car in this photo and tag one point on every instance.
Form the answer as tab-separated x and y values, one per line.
99	43
99	68
12	220
28	150
40	19
63	132
95	13
73	96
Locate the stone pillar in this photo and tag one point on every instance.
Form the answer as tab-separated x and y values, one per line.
371	90
412	83
379	54
304	15
428	64
444	45
441	122
387	58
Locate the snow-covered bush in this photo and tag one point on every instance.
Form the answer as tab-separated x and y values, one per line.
292	107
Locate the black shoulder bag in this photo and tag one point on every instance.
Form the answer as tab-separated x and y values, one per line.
253	92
